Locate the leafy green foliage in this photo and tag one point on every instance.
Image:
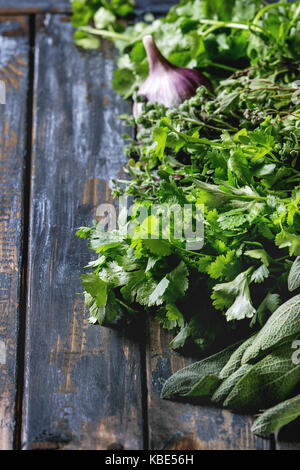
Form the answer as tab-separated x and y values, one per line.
270	381
199	378
294	275
268	305
290	240
283	324
236	151
221	268
104	15
234	363
278	416
244	387
227	385
195	33
103	12
96	288
235	294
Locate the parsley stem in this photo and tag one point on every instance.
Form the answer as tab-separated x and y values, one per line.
230	24
293	179
126	306
225	124
277	260
223	66
106	34
294	20
194	252
191	140
203	124
265	9
257	198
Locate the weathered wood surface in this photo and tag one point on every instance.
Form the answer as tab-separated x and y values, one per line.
32	6
183	426
154	6
64	6
13	73
82	382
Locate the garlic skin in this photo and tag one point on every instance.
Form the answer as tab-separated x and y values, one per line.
167	84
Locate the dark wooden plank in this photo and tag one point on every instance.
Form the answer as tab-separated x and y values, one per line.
64	6
38	6
154	6
82	384
14	74
184	426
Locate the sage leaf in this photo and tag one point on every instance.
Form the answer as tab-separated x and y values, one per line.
294	276
205	387
225	388
270	381
234	362
282	325
190	379
269	304
277	417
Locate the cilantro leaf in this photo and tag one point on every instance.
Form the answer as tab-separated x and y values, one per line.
223	266
95	287
235	293
288	240
178	282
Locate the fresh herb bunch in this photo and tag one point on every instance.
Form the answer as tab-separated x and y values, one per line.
248	181
253	375
103	14
237	152
216	36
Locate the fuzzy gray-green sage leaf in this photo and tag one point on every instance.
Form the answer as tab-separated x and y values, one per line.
268	382
283	324
294	275
200	378
277	417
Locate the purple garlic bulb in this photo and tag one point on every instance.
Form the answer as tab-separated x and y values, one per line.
167	84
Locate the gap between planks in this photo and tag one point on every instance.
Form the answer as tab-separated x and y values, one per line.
25	239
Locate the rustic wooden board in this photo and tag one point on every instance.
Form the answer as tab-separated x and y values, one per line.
31	6
14	73
83	383
183	426
154	6
64	6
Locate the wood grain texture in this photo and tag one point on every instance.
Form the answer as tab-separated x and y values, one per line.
154	6
82	384
64	6
32	6
14	74
184	426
